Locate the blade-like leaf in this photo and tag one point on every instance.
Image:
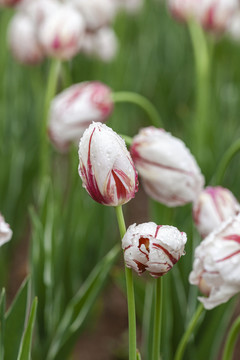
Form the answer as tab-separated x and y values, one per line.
25	348
79	307
15	321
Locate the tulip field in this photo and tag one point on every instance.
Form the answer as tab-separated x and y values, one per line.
119	180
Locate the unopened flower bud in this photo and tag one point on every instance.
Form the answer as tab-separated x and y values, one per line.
216	268
23	40
216	14
73	110
106	167
9	3
38	10
5	231
168	170
153	248
184	10
213	206
96	13
61	32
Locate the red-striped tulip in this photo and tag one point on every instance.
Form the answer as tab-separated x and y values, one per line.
106	167
61	32
5	231
23	42
216	268
153	248
213	206
73	110
168	170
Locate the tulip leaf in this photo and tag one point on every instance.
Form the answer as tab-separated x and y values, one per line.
2	321
79	307
25	348
15	321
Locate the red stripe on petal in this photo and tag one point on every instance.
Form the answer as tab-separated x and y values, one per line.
171	258
233	237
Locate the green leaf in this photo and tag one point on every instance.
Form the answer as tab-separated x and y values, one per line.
15	321
79	307
25	348
139	355
2	321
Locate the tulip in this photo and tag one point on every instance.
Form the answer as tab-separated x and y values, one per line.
39	10
168	170
213	206
130	6
23	42
73	110
9	3
216	14
153	248
216	268
184	10
61	32
5	231
96	13
233	28
102	43
106	167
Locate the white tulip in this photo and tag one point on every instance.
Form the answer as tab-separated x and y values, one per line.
153	248
213	206
5	231
106	167
168	170
216	268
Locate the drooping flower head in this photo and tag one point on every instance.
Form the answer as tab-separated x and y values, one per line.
213	206
74	109
153	248
216	268
168	170
5	231
106	167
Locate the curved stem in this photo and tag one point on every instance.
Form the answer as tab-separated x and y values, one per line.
157	320
144	103
202	64
231	340
50	92
183	343
226	159
130	293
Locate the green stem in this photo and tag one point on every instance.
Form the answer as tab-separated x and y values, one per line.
227	157
202	64
144	103
183	343
50	92
231	340
157	320
130	293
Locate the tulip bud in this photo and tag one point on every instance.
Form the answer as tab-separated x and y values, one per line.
39	10
23	40
153	248
183	10
96	13
213	206
168	170
61	32
73	110
216	14
106	167
102	43
9	3
5	231
216	268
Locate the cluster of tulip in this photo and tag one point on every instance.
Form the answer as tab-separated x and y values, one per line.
216	16
169	174
62	29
